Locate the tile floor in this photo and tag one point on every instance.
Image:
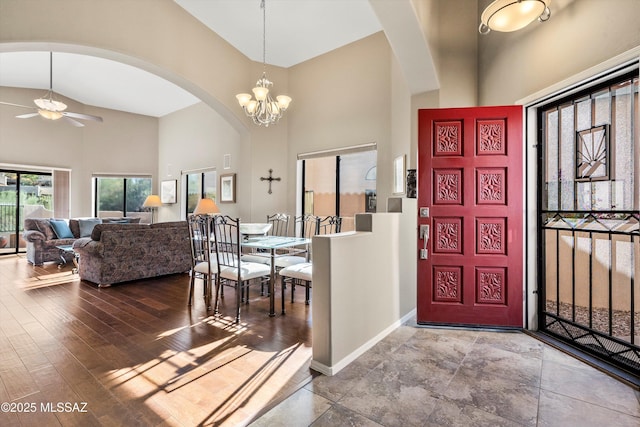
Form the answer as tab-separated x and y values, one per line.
442	377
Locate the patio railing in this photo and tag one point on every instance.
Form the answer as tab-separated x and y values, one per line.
8	217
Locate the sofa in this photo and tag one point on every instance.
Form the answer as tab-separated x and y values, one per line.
42	240
123	252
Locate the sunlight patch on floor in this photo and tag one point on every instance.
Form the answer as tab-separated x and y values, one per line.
212	368
45	280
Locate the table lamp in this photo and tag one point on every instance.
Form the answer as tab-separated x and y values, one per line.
206	206
152	202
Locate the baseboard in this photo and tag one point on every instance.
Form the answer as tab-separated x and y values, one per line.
332	370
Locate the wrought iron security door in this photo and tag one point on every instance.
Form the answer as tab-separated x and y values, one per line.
590	222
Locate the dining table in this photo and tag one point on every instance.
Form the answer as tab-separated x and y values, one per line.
271	244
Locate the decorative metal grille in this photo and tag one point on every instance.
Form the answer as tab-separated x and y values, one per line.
592	154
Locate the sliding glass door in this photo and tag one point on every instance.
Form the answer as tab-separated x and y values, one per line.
22	195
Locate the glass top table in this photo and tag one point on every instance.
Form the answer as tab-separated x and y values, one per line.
68	249
272	243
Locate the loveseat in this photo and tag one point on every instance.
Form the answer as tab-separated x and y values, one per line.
123	252
42	239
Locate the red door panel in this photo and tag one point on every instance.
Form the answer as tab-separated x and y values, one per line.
470	178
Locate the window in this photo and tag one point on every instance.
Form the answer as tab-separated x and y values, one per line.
342	185
201	184
122	196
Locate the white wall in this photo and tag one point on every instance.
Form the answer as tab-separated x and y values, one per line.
195	138
344	100
579	35
360	292
458	54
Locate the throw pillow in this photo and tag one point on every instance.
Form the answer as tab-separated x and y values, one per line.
61	228
86	226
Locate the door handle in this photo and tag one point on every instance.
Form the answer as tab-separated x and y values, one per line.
424	232
424	235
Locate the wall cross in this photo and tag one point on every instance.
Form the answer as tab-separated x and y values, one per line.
270	179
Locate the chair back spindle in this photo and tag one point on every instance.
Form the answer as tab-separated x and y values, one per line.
279	224
307	226
330	225
227	240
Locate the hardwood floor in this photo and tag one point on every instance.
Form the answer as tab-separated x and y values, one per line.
135	354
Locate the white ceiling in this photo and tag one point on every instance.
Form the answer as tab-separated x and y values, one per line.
296	30
319	27
93	81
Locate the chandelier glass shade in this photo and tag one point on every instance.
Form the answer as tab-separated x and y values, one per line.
512	15
263	110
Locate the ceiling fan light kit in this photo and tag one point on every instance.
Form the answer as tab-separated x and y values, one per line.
51	109
51	115
263	110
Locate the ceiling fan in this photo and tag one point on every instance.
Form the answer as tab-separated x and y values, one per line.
50	108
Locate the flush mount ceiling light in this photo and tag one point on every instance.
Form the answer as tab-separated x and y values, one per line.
512	15
263	110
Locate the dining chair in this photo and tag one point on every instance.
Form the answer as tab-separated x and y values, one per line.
228	250
279	227
306	226
330	225
297	274
202	264
279	224
297	270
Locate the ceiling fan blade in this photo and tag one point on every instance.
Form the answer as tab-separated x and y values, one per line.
27	116
16	105
72	122
82	116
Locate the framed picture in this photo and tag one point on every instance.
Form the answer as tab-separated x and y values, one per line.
228	188
168	191
398	175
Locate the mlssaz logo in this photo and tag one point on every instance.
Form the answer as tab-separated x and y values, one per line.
63	407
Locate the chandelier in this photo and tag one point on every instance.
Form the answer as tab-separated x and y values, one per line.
512	15
263	110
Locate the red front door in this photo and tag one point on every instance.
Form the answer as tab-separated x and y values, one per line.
470	182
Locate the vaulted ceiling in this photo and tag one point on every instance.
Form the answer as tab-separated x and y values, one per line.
319	27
